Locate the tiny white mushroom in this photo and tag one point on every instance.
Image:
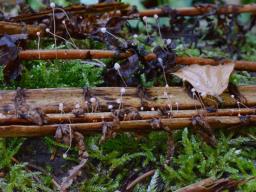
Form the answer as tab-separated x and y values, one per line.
38	33
103	29
155	16
135	36
61	106
47	30
52	5
64	155
145	18
110	107
117	66
168	41
160	60
122	90
118	101
92	99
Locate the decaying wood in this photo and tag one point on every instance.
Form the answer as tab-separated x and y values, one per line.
194	11
11	28
124	126
107	7
48	99
74	9
58	106
54	118
100	54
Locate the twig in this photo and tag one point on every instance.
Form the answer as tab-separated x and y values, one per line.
194	11
100	54
139	179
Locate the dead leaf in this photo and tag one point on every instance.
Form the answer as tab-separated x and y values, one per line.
170	149
9	55
207	79
107	132
155	123
73	174
65	134
211	185
202	127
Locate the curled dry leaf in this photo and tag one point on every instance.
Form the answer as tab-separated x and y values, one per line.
207	79
73	174
127	114
155	123
23	110
202	127
65	134
211	185
9	55
170	148
107	132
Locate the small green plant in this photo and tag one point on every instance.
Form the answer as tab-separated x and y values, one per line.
19	179
8	148
41	74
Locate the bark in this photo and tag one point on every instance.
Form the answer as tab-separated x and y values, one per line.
11	28
48	99
100	54
194	11
93	114
124	126
81	10
53	118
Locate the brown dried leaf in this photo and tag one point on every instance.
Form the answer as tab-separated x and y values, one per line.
155	123
73	174
207	79
211	185
170	149
202	127
64	133
107	132
37	116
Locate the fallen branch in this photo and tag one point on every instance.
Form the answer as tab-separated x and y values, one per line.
80	10
124	126
100	54
110	7
11	28
49	99
108	116
195	11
